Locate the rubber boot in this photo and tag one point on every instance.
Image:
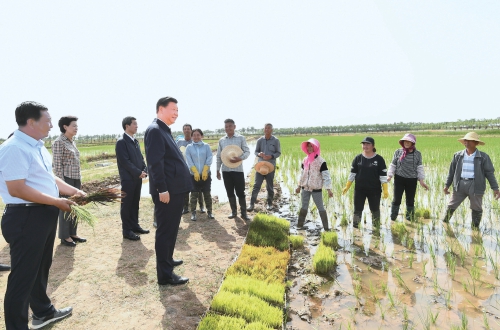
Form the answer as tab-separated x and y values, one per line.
186	204
476	218
394	211
193	201
356	219
449	213
302	218
251	206
324	220
243	207
234	208
193	216
376	220
410	213
200	201
270	197
208	202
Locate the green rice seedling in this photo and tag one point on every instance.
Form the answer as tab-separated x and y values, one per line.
270	292
248	307
410	244
383	287
357	290
262	263
213	322
405	314
324	259
268	230
486	322
297	241
343	221
330	238
424	272
410	260
392	299
421	212
463	255
433	317
464	321
80	214
373	291
257	326
382	311
433	254
447	299
399	230
494	265
401	282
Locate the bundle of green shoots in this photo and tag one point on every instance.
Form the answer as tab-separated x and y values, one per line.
79	214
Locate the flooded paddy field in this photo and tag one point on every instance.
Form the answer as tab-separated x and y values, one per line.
422	274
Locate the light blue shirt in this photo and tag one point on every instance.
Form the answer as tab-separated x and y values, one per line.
22	157
468	165
198	154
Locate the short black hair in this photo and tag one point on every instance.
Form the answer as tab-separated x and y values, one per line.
197	130
229	120
66	120
191	127
29	110
268	124
127	121
164	101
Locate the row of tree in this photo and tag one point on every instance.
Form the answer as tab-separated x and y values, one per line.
469	124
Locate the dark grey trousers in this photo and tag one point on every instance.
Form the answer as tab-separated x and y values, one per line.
259	178
67	226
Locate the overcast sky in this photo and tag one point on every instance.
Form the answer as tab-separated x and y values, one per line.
292	63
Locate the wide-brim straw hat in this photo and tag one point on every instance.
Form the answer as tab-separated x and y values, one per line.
471	136
229	152
264	167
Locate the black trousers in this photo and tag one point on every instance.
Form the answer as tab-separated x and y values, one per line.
168	217
30	232
360	196
129	208
259	178
406	185
67	226
234	181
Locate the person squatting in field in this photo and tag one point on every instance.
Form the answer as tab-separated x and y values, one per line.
406	168
468	172
313	178
369	172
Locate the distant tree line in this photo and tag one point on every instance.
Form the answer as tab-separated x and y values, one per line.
468	124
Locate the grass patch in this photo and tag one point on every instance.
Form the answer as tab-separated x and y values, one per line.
268	230
324	259
297	241
262	263
330	238
248	307
270	292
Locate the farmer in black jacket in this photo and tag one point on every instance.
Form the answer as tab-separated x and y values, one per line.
132	170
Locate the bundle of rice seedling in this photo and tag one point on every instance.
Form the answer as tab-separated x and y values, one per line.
80	215
102	196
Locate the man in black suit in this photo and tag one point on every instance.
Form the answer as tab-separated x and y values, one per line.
132	170
169	181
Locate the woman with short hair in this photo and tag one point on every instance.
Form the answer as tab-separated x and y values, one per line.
66	164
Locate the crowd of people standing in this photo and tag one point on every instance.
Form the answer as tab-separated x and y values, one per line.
34	186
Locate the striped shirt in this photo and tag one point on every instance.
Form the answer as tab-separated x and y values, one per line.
411	167
468	166
238	140
24	158
66	158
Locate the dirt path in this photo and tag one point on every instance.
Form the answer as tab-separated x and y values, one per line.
111	282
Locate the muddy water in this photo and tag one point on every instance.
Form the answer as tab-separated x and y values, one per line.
384	282
217	185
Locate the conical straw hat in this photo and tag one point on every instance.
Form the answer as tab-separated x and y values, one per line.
229	152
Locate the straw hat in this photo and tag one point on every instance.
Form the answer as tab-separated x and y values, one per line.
229	152
264	167
471	136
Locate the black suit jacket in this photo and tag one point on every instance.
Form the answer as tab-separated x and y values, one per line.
129	158
167	168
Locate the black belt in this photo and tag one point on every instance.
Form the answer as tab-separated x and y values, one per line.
25	205
466	179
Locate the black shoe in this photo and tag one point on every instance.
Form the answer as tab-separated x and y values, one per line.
250	208
141	231
78	239
210	215
269	206
185	210
193	216
177	262
131	236
174	280
65	242
4	268
38	323
245	217
202	210
232	216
